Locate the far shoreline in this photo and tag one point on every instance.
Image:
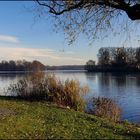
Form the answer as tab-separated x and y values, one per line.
76	71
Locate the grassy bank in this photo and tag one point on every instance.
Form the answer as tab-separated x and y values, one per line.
22	119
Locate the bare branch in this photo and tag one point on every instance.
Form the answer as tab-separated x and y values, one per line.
132	8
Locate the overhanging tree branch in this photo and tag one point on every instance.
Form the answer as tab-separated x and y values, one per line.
58	7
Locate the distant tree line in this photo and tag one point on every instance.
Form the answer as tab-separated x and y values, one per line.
115	59
21	65
119	57
66	67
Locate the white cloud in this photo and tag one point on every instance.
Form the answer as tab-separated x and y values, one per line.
7	38
47	56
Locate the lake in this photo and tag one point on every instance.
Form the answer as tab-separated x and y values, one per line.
121	87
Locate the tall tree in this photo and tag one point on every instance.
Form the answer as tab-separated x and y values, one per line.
138	56
120	56
37	66
104	56
131	56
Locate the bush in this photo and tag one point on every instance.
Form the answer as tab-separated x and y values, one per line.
39	86
106	108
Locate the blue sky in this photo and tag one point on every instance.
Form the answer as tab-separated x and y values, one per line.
23	37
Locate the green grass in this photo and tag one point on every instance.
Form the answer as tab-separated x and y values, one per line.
22	119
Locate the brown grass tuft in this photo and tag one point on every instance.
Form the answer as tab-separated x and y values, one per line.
106	108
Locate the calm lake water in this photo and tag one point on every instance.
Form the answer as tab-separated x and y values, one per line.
121	87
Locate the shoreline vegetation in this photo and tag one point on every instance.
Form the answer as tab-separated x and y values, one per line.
39	86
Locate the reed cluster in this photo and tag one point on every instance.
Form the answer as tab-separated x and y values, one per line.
43	87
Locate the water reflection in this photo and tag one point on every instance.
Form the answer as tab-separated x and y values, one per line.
6	80
124	89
